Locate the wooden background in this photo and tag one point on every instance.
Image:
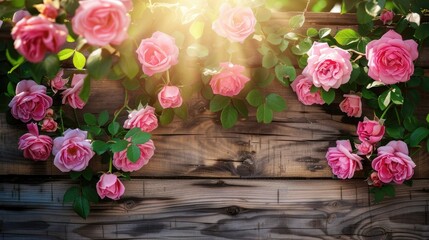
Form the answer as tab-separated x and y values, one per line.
253	181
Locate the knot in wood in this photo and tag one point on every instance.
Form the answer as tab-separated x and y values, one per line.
129	204
233	210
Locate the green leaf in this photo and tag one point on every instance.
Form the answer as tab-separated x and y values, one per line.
113	128
263	77
241	107
418	135
263	14
410	123
228	116
71	194
384	99
18	3
285	74
355	72
388	190
103	117
312	32
90	119
75	175
64	54
51	65
328	96
347	5
119	146
131	84
90	193
264	114
402	5
182	111
372	8
87	174
427	118
324	32
362	16
81	206
79	60
347	36
395	132
255	98
99	63
140	138
422	31
100	147
275	102
269	60
133	153
133	132
396	95
274	39
197	29
86	89
297	21
197	50
378	194
284	45
218	103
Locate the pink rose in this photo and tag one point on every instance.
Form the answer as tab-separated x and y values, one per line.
49	113
47	9
328	67
390	59
386	16
235	23
302	86
58	82
121	162
71	95
229	81
110	186
157	53
370	131
143	118
49	125
128	4
30	101
343	162
352	105
101	22
73	151
35	146
393	163
34	36
169	97
374	180
364	148
20	14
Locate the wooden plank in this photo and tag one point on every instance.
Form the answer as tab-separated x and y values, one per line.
218	209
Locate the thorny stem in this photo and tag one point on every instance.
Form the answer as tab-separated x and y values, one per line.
385	111
110	165
397	116
123	106
76	118
306	7
61	118
168	77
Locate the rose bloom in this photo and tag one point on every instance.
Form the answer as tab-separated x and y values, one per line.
370	131
375	180
364	148
20	14
121	162
110	186
30	101
35	146
143	118
386	16
342	161
48	9
390	59
71	95
101	22
58	82
169	97
229	81
302	86
128	4
72	151
49	113
157	53
49	125
352	105
34	36
393	163
235	23
328	67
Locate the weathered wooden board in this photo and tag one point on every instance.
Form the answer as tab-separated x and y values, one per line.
218	209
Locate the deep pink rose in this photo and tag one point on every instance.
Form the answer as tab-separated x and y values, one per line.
393	163
386	17
35	146
364	148
157	53
169	97
302	86
143	118
49	125
370	131
30	101
110	186
235	23
20	14
342	161
328	67
58	82
121	162
101	22
390	59
71	95
72	151
374	180
352	105
229	81
34	36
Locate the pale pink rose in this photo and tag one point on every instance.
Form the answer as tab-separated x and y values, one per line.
49	113
235	23
128	4
370	131
72	151
229	81
20	14
390	59
144	118
328	67
49	125
352	105
35	146
302	86
342	161
169	97
393	163
101	22
121	162
386	17
157	53
71	95
364	148
58	82
30	101
374	180
110	186
34	36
